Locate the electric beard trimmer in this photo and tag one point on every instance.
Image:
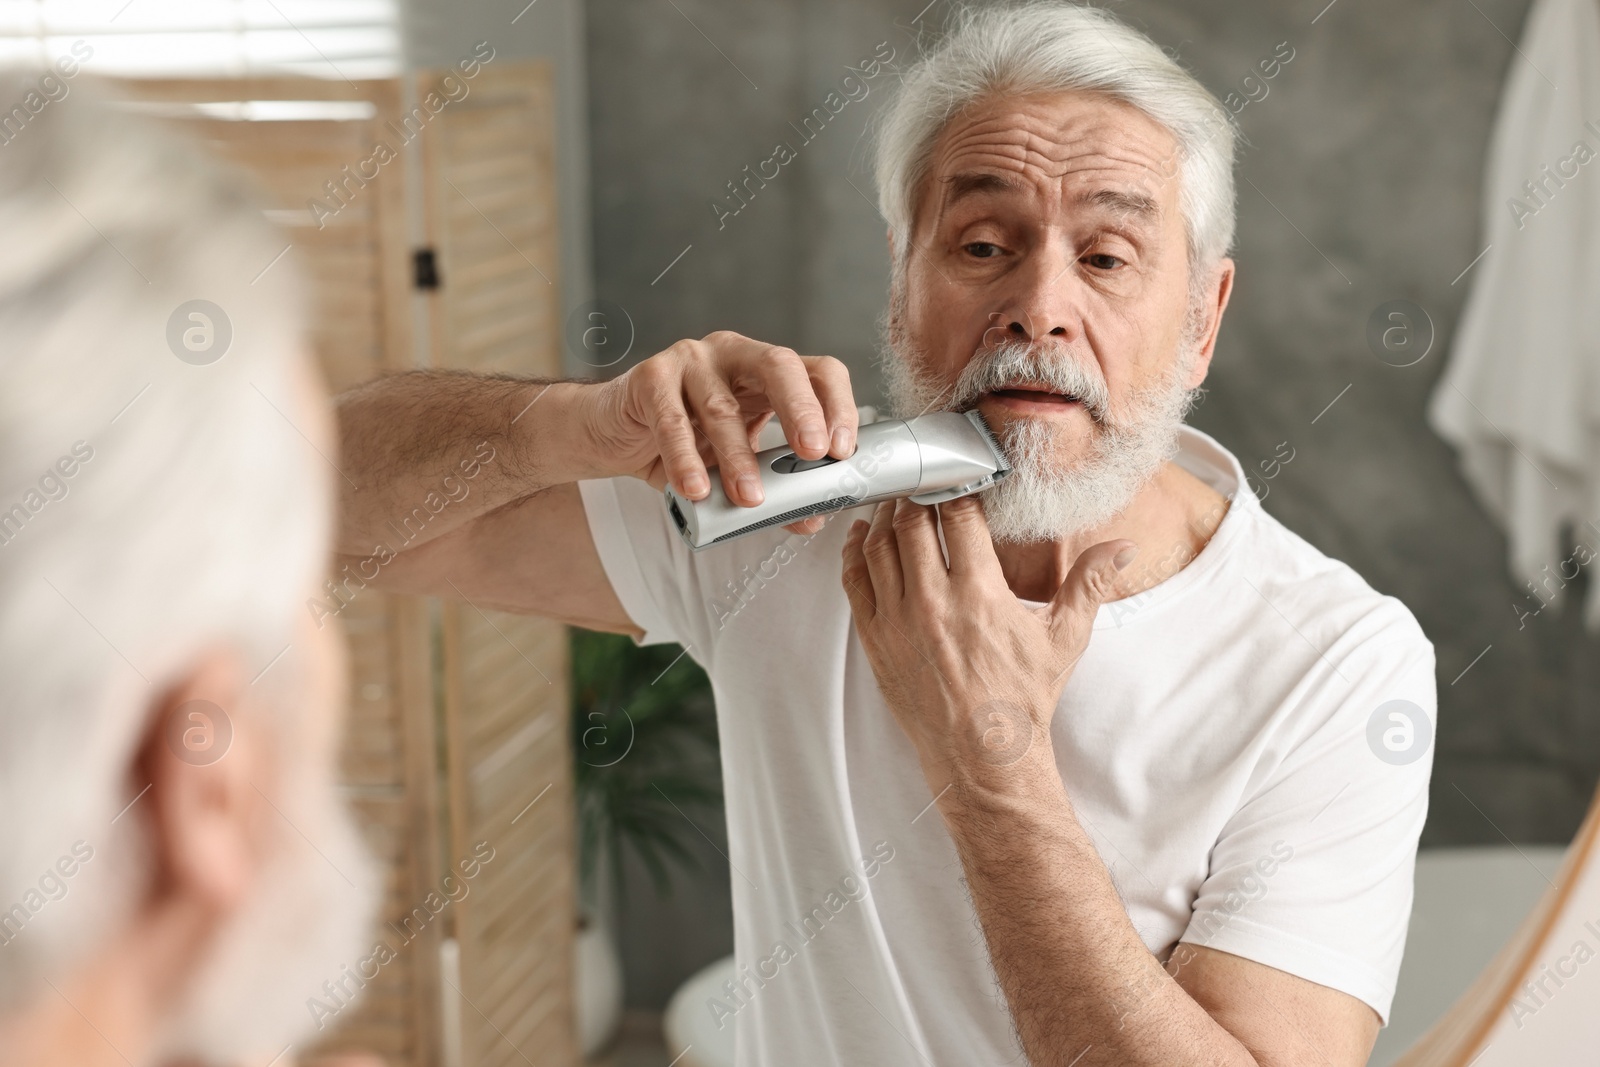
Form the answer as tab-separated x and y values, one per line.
930	458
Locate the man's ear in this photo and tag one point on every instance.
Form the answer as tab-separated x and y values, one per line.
1216	302
198	758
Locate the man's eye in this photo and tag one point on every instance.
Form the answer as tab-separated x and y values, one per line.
1102	261
983	249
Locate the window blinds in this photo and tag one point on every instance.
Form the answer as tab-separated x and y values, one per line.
341	39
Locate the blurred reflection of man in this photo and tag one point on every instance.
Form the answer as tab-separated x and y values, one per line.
177	873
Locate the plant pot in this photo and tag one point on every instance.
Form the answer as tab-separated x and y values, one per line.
597	984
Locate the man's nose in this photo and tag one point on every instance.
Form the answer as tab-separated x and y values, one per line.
1022	329
1039	303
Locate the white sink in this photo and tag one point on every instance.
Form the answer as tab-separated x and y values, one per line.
1469	902
691	1033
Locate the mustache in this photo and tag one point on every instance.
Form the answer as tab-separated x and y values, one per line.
1049	367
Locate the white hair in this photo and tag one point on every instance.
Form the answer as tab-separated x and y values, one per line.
1044	47
200	516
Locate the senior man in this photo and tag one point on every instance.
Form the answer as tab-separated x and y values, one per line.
1077	769
177	873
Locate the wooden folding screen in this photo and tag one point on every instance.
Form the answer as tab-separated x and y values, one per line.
490	171
456	718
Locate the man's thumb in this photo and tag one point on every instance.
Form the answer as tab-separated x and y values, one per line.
1090	583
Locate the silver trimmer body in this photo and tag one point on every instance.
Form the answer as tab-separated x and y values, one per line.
930	458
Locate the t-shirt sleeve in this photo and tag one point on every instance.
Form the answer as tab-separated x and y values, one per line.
1312	874
669	591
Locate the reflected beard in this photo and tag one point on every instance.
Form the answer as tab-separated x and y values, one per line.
1044	498
303	923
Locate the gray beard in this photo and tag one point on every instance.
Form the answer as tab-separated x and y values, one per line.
1043	499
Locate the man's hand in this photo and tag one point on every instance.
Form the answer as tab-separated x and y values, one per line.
971	673
465	486
973	676
701	404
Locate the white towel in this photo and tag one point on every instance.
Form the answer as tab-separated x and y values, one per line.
1521	396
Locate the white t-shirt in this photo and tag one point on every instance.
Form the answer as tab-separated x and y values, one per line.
1221	741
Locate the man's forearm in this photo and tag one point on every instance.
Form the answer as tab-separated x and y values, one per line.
415	440
1082	987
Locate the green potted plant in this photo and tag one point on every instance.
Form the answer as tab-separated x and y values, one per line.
645	766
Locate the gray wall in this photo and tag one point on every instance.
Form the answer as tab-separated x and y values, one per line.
1369	146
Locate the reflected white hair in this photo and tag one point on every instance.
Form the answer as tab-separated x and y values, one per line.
200	518
1043	47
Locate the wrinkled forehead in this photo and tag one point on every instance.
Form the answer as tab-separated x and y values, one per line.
1055	152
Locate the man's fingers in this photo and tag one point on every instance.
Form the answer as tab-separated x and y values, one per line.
883	555
856	577
753	426
1091	582
785	379
811	397
917	539
966	538
723	424
720	391
831	380
676	439
808	526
